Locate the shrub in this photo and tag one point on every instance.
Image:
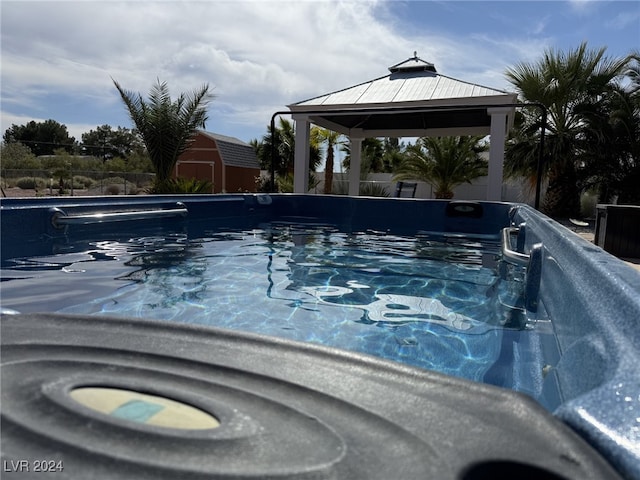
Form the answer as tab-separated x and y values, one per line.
182	185
373	190
263	184
113	180
113	190
30	183
80	181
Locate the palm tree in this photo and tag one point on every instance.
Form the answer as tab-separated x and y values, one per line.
330	139
284	140
444	162
563	83
283	137
611	146
371	153
166	126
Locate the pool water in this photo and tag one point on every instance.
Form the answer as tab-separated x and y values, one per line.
446	303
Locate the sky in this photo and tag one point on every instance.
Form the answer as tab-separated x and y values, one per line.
59	58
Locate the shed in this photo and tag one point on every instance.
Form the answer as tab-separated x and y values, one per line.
413	100
228	163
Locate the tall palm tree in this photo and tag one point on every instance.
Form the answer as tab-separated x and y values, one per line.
444	162
330	139
166	126
562	82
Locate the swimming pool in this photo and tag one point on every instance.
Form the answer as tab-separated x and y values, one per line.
491	292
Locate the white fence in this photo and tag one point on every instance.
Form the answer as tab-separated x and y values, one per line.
512	191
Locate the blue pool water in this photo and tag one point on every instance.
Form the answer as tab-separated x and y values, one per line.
445	303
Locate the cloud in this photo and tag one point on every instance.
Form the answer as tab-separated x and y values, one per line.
624	19
248	51
258	56
583	6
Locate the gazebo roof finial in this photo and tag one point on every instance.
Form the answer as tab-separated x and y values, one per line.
413	64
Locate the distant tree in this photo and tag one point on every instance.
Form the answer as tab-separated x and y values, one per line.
42	138
379	155
17	156
166	127
104	142
393	154
444	162
370	156
139	162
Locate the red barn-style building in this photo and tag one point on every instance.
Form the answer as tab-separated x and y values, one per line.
228	163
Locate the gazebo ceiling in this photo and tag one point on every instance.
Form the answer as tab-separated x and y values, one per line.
413	100
405	121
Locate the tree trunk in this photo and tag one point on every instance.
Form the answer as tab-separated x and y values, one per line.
328	171
562	199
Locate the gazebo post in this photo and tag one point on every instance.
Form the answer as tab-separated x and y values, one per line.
496	151
354	165
301	154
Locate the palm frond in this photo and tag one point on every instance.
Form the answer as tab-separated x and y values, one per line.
444	162
166	127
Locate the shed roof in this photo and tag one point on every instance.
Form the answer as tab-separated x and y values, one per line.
234	152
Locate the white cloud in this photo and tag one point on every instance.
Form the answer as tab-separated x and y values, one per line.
624	19
258	56
583	5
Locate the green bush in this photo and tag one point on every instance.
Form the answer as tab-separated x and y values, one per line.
30	183
80	181
182	185
112	181
373	190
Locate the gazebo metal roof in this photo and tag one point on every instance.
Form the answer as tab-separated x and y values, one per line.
411	100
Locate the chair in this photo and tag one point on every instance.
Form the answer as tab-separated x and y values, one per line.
405	190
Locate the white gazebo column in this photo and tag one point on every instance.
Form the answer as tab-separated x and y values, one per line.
301	155
354	166
496	151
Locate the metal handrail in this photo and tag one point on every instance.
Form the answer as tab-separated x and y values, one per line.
508	253
60	218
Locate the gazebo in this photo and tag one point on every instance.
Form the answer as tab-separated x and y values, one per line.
414	100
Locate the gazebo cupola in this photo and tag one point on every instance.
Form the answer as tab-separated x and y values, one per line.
413	64
413	100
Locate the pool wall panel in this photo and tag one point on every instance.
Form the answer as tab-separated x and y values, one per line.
593	300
